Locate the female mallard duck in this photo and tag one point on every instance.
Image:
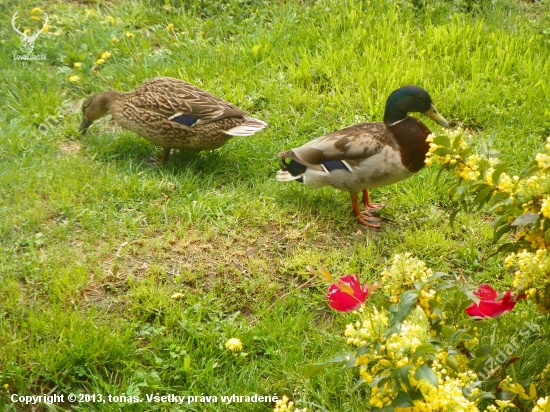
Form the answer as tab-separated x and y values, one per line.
173	114
367	155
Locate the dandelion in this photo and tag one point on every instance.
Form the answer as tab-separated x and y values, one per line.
170	27
234	345
177	295
129	34
105	55
37	10
77	65
114	40
46	28
74	78
6	386
99	62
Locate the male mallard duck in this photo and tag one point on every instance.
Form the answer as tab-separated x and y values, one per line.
173	114
367	155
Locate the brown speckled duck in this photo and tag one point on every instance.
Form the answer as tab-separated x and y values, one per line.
367	155
173	114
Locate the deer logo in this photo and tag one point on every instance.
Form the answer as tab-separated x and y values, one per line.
28	41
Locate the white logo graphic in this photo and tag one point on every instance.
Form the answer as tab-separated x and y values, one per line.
29	40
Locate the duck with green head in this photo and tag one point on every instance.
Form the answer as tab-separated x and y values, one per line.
367	155
173	114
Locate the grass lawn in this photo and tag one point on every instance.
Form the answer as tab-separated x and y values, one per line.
125	279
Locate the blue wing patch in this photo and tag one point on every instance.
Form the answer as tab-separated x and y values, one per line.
185	119
331	165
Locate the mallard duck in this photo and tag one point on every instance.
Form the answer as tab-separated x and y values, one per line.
173	114
367	155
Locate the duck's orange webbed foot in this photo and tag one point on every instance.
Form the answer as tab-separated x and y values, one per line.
370	207
368	218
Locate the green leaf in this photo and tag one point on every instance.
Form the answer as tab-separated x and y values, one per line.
402	400
388	408
363	349
407	301
525	219
425	373
403	372
470	295
360	383
442	151
482	197
452	217
498	171
501	231
437	275
484	350
314	369
452	363
442	140
424	350
491	138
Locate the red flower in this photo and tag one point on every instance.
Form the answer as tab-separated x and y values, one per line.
347	294
489	306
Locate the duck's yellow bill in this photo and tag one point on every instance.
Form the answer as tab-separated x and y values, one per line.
434	114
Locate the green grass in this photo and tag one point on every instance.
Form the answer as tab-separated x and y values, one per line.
94	243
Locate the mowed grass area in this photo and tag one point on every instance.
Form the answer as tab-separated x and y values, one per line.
95	244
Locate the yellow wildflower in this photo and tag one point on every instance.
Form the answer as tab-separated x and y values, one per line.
234	345
545	207
77	64
115	40
170	27
286	405
37	10
99	62
129	34
105	55
74	78
542	405
46	28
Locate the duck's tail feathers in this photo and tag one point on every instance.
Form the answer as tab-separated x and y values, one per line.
291	170
285	176
249	127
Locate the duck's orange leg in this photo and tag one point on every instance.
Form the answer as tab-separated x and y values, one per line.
366	218
368	205
165	155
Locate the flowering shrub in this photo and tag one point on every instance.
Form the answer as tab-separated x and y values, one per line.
521	205
414	355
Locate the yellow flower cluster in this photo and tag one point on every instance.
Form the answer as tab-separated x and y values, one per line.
398	350
367	331
448	396
542	405
403	273
469	170
532	274
543	161
448	158
286	405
